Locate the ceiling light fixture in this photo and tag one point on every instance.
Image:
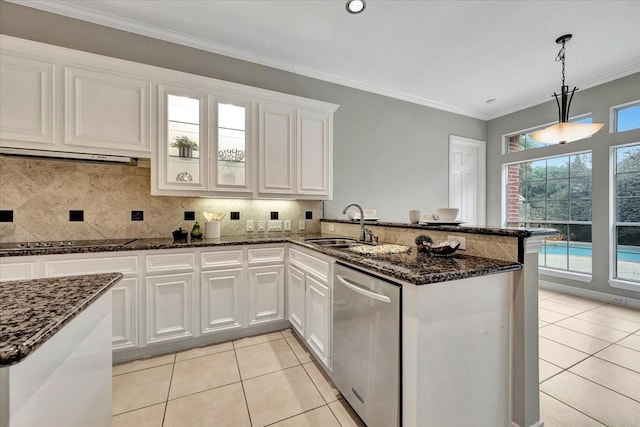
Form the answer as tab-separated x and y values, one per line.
355	6
564	131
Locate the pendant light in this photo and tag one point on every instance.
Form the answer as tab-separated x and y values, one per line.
564	131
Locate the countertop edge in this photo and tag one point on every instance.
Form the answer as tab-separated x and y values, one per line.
19	352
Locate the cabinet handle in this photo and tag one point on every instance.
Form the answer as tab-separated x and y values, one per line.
355	287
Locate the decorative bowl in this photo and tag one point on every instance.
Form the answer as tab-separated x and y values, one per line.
447	214
443	248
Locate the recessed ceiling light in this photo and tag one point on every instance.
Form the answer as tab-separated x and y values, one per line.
355	6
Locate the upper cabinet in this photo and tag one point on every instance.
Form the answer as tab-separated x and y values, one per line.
63	100
205	137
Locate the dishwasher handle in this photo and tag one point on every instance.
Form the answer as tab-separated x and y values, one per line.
356	287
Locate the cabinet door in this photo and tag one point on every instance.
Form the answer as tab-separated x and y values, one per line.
318	316
314	153
233	154
27	100
107	113
169	302
124	296
295	299
266	294
277	149
221	300
180	162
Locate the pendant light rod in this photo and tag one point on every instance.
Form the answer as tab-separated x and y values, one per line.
565	97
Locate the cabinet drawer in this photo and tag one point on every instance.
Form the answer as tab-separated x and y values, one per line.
70	267
310	263
17	271
170	262
221	259
266	255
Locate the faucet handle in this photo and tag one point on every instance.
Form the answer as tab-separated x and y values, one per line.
370	237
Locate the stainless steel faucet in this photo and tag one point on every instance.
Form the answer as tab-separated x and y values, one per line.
363	234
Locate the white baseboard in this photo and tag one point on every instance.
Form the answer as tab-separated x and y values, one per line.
600	296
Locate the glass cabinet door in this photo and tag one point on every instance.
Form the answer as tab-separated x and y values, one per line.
232	170
183	139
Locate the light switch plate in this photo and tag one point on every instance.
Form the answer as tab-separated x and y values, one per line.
275	225
249	225
287	225
302	225
260	225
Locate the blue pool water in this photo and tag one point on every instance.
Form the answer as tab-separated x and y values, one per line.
625	253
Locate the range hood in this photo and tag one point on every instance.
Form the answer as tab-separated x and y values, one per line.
67	155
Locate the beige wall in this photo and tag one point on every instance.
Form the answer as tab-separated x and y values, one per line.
41	193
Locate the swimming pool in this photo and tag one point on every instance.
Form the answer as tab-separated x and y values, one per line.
625	253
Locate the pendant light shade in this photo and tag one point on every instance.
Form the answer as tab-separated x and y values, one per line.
564	131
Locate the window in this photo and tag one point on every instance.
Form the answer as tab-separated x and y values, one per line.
556	193
627	212
626	117
522	141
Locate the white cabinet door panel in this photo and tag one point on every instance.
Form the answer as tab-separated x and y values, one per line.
27	99
17	271
277	150
266	294
318	316
314	153
296	297
221	300
73	266
106	111
169	302
124	296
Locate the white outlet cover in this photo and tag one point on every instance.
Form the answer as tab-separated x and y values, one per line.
261	225
287	225
249	226
302	225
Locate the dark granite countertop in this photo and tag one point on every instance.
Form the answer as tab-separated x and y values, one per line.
416	267
32	311
492	231
412	267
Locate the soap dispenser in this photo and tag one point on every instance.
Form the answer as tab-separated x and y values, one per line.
196	232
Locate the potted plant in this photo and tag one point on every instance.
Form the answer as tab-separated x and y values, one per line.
422	241
185	145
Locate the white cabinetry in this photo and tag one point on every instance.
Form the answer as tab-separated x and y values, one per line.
309	300
221	290
60	99
296	151
169	297
106	111
265	285
27	99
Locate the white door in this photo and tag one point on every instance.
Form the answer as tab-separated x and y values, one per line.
295	286
467	179
276	145
169	313
318	316
314	152
221	300
266	294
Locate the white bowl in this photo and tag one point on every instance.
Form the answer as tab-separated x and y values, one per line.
447	214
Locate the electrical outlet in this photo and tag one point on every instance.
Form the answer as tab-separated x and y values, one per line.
462	240
302	225
260	225
332	227
275	225
287	225
618	300
249	226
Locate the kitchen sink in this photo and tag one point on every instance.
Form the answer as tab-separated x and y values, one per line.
334	242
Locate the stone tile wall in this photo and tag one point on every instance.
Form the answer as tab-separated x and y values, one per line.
495	247
41	193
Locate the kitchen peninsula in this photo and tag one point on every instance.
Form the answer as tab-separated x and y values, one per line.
55	351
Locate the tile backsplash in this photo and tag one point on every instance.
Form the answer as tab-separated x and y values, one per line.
41	193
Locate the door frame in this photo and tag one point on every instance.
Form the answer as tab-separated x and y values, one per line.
482	172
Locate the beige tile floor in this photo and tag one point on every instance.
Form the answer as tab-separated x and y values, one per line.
266	380
589	376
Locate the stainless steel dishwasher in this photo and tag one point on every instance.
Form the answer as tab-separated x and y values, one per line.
366	345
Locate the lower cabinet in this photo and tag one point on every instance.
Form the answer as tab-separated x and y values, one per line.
169	307
295	298
266	294
221	300
318	318
124	300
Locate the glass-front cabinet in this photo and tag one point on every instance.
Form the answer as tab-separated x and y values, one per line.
204	143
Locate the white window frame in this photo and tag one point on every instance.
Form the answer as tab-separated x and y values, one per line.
613	117
613	240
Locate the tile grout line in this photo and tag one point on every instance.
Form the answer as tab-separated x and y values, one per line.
166	402
575	409
604	386
244	392
303	412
